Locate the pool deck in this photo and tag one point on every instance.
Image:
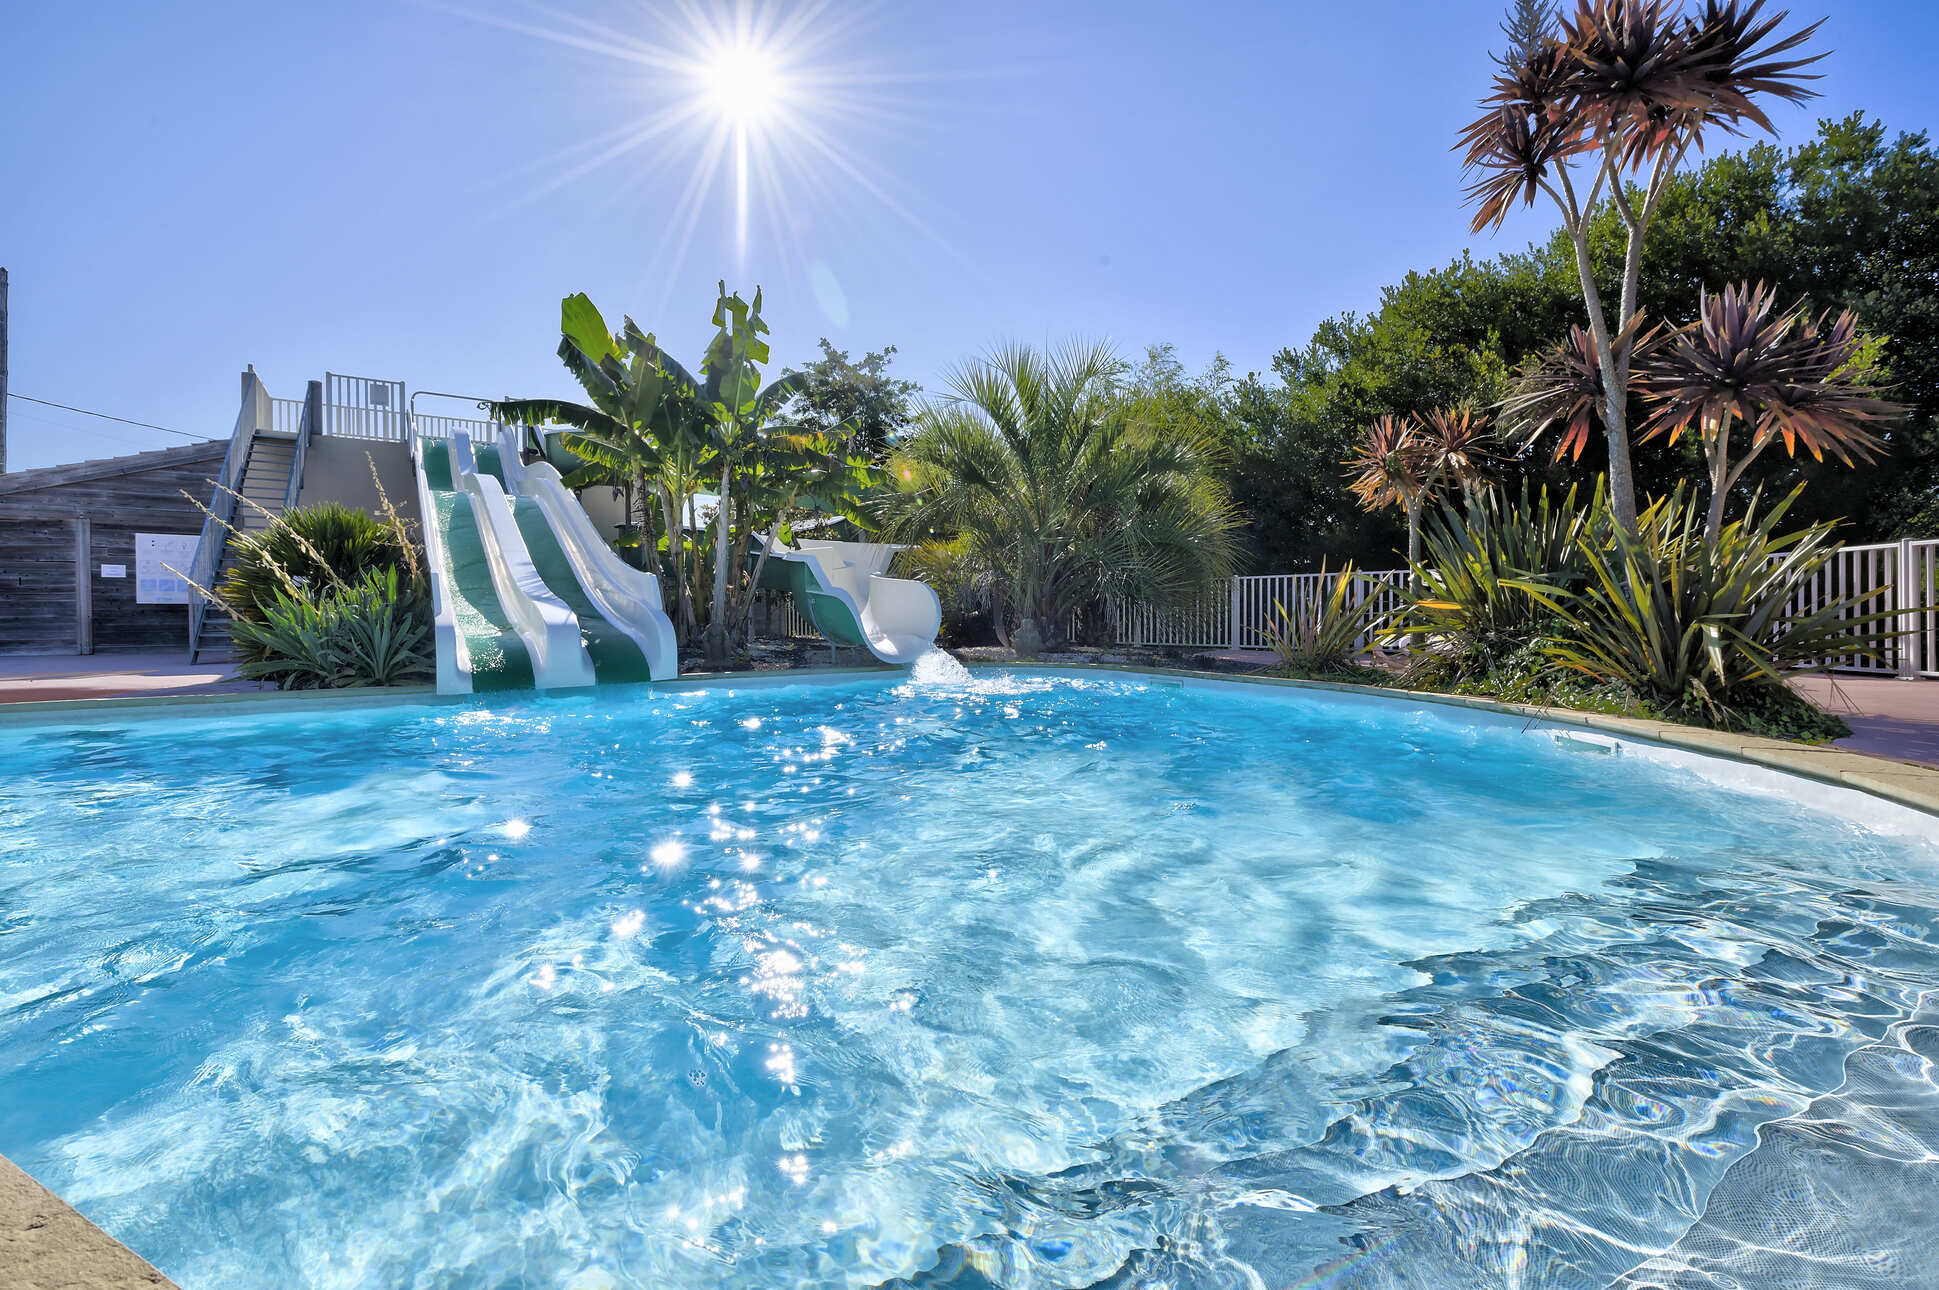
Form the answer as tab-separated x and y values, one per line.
47	678
1889	718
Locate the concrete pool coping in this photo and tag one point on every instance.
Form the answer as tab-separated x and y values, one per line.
47	1245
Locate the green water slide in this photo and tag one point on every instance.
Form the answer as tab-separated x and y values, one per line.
829	613
615	655
486	638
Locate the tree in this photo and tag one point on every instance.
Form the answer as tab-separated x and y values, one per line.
1405	461
870	407
645	422
1064	489
1621	88
1780	375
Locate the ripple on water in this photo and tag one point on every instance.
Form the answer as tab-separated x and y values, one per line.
1022	979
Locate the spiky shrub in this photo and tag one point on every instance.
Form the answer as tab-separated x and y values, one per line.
1470	599
310	547
1324	632
1704	630
370	631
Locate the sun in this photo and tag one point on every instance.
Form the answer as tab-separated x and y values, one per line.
743	85
774	109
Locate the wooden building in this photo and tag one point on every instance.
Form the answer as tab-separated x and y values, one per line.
68	561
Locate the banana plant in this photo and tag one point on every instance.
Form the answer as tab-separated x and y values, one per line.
646	420
743	427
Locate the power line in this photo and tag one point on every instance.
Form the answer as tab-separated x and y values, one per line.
67	407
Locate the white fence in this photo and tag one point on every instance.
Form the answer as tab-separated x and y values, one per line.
1239	618
360	407
1896	578
437	427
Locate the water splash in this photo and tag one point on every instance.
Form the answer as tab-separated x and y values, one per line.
935	669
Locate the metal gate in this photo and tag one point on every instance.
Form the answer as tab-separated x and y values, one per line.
361	407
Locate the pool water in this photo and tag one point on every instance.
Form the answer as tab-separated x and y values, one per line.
1030	981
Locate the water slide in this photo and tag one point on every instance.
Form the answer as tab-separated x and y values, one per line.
619	608
843	588
497	625
525	591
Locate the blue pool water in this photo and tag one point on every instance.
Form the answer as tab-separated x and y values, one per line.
1029	982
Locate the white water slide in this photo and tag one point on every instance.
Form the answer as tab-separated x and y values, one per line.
845	590
526	591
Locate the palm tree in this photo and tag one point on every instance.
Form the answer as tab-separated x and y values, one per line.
1618	89
1782	375
1405	460
1565	387
1063	490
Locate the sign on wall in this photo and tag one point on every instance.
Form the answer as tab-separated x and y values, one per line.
155	555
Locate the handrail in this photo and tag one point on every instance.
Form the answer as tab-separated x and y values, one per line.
254	413
305	429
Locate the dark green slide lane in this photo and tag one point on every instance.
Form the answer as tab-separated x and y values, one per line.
488	462
498	657
615	655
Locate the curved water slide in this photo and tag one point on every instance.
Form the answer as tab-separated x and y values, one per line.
852	601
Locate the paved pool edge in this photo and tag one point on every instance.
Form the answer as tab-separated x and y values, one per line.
45	1243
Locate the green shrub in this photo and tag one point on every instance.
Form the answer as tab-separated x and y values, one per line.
373	631
1702	630
1323	633
962	587
312	547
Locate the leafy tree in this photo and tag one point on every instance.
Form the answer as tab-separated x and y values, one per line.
860	399
1846	220
645	420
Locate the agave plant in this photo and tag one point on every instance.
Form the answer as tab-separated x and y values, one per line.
1325	631
1704	628
1618	89
1782	376
372	630
1470	598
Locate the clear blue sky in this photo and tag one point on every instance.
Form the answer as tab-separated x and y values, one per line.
374	187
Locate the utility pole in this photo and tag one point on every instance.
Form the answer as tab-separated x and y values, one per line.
3	371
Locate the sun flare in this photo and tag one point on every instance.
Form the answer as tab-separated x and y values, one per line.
743	85
771	109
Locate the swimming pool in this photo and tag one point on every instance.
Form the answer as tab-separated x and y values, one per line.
1043	980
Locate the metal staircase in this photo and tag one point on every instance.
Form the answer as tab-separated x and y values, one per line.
261	475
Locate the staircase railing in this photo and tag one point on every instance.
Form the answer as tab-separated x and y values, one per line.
307	426
254	413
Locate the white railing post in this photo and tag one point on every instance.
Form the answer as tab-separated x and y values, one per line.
1905	651
1232	608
